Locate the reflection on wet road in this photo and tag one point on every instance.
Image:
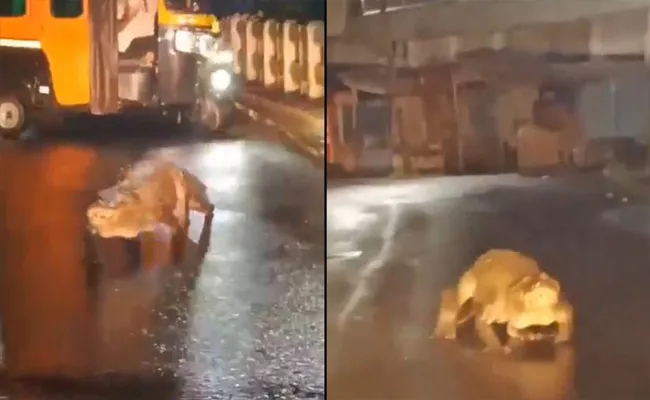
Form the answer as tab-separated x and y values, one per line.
241	318
393	247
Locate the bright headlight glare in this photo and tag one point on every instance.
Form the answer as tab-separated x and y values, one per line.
220	80
184	41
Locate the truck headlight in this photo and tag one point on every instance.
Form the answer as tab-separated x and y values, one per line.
220	80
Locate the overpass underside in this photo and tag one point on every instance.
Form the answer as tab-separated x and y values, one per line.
437	32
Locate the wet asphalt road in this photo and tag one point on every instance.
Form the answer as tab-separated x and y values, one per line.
241	318
392	247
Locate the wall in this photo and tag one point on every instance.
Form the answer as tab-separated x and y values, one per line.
615	33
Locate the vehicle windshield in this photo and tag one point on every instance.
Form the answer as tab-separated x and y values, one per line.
187	6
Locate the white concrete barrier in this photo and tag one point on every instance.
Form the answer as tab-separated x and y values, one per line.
284	55
291	57
254	50
316	59
238	41
272	57
226	29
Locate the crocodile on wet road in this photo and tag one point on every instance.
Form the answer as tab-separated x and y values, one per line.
393	246
241	318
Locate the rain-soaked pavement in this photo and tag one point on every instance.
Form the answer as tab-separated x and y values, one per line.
241	318
392	247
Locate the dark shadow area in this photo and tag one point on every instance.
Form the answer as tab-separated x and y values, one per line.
137	131
109	386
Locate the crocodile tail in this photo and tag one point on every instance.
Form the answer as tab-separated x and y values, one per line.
466	312
466	287
466	291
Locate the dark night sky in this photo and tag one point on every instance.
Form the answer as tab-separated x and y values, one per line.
278	9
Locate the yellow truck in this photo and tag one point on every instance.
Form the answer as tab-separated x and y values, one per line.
111	56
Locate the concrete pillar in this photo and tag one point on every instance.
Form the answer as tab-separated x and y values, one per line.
316	59
272	62
292	70
238	42
254	50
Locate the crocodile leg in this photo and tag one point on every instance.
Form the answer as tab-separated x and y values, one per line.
180	236
486	333
564	317
446	326
515	339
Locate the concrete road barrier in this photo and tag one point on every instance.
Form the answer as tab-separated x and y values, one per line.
283	66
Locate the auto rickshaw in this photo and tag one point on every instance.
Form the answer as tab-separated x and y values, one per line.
112	56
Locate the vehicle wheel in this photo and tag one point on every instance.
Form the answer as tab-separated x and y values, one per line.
12	117
214	116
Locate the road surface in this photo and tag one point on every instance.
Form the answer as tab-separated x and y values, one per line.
393	246
241	318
